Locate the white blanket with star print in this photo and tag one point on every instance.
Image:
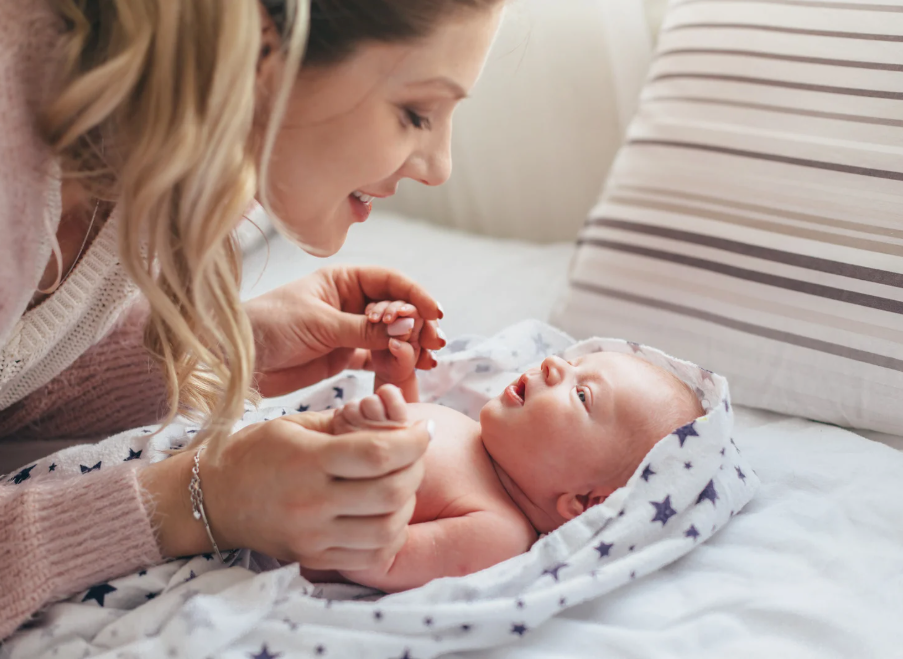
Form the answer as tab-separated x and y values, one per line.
688	487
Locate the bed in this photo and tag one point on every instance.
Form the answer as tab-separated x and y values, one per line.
811	568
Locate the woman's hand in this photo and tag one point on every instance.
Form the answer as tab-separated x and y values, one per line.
289	489
310	329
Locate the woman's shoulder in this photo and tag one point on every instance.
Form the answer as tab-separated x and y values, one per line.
29	191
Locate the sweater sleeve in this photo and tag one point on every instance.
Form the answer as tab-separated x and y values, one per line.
59	538
112	387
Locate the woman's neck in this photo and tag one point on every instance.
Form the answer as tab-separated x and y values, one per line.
81	220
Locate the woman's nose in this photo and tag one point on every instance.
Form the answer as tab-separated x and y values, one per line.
553	370
432	164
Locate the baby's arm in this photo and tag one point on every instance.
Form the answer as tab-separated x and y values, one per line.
449	547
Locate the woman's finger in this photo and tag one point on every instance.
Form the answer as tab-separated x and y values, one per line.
375	496
374	453
372	532
348	559
385	284
426	361
432	336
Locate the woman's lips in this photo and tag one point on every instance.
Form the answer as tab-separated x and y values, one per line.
360	209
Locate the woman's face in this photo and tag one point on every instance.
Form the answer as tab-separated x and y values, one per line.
360	127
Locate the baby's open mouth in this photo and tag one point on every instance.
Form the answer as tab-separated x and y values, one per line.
518	390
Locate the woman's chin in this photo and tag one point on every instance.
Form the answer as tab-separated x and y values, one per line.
322	246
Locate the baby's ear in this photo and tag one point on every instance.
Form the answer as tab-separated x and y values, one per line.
569	505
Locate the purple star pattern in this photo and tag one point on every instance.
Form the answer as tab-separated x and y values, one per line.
603	548
647	473
554	570
663	510
98	593
708	493
688	430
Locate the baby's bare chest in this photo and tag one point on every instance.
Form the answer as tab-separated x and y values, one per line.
459	476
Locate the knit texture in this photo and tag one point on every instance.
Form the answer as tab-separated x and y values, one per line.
60	538
114	386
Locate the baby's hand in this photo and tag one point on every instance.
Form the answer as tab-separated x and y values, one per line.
397	364
384	409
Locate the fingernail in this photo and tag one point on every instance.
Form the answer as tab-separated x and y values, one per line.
441	335
441	310
374	317
394	343
400	327
431	428
407	309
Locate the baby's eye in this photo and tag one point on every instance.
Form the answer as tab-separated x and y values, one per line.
584	396
581	395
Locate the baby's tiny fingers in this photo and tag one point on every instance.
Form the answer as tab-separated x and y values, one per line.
376	310
373	409
394	402
351	413
392	310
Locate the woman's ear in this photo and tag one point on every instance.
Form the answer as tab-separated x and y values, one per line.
269	40
571	504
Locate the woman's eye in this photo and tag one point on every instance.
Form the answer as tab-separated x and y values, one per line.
417	121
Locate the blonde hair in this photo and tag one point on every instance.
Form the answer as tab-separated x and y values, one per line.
168	88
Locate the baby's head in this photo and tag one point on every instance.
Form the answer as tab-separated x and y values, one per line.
568	434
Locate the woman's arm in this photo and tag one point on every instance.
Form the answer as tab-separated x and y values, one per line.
59	538
112	387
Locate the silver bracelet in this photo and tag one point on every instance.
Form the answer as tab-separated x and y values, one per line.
197	500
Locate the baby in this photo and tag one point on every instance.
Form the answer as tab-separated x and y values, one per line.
559	439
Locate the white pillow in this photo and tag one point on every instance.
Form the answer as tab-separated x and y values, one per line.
543	124
752	223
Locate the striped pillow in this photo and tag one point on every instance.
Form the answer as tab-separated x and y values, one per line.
753	222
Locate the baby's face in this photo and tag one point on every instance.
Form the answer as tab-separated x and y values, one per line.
579	428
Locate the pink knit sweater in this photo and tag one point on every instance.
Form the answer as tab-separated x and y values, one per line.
58	538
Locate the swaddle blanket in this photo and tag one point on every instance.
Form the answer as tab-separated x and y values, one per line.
688	487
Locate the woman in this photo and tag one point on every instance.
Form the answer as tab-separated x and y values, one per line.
135	134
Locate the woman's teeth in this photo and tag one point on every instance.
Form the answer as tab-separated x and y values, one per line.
363	197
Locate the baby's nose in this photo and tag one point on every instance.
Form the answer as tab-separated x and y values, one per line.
553	369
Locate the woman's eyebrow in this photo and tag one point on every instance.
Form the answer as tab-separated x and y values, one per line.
456	90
